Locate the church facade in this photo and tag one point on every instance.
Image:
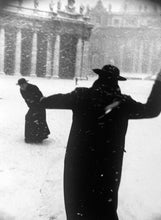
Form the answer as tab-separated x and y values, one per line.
44	43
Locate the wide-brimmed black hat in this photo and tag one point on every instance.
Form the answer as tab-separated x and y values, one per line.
109	72
21	81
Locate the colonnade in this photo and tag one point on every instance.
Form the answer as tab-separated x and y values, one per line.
29	52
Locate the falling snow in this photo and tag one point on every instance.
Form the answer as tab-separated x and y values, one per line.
31	186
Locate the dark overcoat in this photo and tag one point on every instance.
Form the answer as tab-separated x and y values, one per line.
95	148
36	128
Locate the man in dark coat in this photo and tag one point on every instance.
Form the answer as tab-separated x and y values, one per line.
93	160
36	128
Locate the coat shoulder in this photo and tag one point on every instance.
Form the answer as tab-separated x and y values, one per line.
81	90
32	86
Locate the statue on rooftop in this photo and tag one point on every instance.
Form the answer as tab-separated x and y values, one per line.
71	3
51	5
88	10
36	4
20	3
109	7
81	9
59	5
70	6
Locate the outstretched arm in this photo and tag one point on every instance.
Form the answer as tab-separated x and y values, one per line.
58	101
151	108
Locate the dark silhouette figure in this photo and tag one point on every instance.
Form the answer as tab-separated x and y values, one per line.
36	128
94	155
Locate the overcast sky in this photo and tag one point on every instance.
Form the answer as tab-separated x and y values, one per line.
117	5
44	4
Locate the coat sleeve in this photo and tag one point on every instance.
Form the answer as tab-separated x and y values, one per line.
59	101
80	100
152	108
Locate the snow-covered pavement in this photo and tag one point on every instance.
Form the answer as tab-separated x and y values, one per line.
31	176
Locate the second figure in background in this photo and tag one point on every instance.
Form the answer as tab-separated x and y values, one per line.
36	128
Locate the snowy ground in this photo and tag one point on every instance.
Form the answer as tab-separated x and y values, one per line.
31	176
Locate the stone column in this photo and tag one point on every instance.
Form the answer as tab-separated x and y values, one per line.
121	56
78	58
140	57
26	51
56	57
85	59
2	45
42	40
34	55
18	53
49	58
150	57
10	50
134	62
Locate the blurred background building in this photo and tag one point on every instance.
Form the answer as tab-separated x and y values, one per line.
65	40
130	38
